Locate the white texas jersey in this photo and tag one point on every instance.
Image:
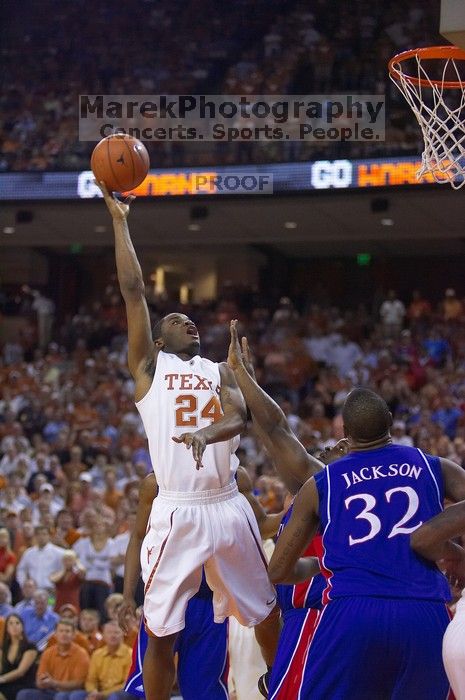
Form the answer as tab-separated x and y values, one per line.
184	397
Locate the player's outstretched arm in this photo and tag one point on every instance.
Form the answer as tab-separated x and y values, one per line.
288	454
286	566
132	568
131	282
268	524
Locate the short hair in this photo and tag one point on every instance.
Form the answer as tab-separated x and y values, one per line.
40	528
157	330
68	622
91	611
365	415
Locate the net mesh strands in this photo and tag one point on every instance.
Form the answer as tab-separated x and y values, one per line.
434	87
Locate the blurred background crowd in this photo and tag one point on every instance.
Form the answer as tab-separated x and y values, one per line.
270	47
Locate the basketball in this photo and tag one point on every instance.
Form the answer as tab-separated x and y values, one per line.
120	161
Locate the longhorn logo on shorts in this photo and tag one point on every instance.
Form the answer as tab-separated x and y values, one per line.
149	553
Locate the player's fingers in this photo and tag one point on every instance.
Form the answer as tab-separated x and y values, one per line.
104	189
178	439
130	198
233	329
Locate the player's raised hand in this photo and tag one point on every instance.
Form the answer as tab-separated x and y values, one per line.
126	614
118	210
198	444
235	359
247	357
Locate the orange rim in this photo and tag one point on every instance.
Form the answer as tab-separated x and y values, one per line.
429	52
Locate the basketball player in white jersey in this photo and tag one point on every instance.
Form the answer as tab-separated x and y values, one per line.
198	518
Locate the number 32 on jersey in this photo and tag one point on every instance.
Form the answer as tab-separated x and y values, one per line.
186	413
375	524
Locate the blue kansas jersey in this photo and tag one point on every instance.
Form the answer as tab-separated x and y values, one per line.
369	504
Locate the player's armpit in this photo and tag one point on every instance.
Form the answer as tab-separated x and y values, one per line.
454	480
295	537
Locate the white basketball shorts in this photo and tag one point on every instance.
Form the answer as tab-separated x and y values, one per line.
217	530
453	650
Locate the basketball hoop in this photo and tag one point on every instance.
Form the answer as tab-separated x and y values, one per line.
435	90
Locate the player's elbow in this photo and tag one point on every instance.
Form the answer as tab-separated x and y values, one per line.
276	573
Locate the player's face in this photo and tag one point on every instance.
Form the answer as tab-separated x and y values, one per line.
180	335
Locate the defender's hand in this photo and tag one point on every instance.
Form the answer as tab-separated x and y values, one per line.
118	210
235	359
198	444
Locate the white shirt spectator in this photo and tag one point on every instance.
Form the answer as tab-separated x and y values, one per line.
97	564
392	312
120	544
39	563
398	434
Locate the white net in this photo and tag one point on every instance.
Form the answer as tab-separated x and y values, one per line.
439	107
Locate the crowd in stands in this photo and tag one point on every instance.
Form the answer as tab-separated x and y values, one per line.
53	51
73	453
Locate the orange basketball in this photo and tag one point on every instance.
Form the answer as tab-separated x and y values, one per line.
120	161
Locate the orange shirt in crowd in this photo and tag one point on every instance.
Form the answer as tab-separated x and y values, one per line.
94	641
72	665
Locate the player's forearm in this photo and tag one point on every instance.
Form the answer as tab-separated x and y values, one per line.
129	271
132	567
265	411
304	569
431	540
224	429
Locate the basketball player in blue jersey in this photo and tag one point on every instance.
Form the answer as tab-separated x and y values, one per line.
380	633
199	523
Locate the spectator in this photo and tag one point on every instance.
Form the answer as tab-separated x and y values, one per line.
96	553
29	589
40	561
5	600
68	581
89	621
399	436
62	668
65	534
19	658
39	621
7	557
419	309
112	606
452	307
109	667
69	612
392	314
111	496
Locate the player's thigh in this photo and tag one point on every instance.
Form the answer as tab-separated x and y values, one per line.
202	648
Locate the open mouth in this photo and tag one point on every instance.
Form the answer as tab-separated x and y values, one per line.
192	330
